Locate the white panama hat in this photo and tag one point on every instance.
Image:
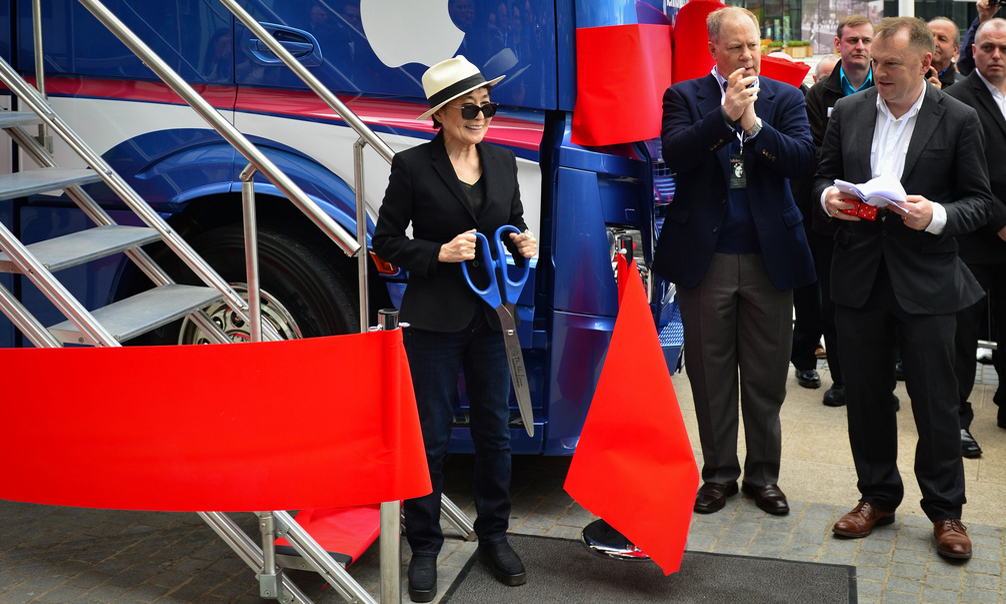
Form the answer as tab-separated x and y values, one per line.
447	80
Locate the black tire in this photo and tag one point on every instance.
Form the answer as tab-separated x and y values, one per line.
303	294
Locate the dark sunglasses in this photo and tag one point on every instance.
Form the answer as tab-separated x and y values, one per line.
470	112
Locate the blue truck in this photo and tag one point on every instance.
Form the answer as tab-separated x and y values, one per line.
580	200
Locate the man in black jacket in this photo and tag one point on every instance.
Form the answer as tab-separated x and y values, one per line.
943	72
852	74
899	277
984	250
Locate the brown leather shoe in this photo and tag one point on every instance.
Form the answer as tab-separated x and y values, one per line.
952	538
861	520
712	497
769	498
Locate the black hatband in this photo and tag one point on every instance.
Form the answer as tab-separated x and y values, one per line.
469	83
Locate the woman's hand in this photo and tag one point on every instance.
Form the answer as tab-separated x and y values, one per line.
459	249
526	244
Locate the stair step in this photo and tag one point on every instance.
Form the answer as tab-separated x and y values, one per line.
10	119
22	184
83	246
141	313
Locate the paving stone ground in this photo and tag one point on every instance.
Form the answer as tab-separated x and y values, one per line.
59	555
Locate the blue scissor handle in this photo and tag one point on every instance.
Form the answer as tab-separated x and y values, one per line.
513	288
491	294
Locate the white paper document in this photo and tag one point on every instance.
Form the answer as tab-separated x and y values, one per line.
879	192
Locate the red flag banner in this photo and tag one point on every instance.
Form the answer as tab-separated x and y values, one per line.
691	40
621	74
691	48
784	69
311	423
634	465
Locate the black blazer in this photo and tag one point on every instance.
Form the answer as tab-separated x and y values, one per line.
696	147
820	100
984	245
946	164
424	190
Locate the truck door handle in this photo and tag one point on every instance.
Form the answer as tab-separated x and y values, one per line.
301	44
297	49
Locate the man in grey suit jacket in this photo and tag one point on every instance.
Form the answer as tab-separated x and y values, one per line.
984	251
899	277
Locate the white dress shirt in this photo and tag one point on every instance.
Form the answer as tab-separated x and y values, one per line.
891	137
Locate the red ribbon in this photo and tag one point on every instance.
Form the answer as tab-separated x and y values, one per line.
312	423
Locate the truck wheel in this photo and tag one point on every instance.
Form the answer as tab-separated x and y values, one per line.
303	295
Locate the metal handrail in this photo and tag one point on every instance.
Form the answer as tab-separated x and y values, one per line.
390	554
36	8
34	101
55	291
251	250
25	321
367	137
319	89
361	233
232	135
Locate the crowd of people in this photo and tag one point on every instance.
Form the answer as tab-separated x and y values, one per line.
757	226
901	294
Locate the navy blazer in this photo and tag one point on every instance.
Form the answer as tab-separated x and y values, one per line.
424	190
696	142
945	163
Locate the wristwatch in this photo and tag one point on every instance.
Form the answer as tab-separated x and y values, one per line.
754	129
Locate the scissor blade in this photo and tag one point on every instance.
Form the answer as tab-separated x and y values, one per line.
518	375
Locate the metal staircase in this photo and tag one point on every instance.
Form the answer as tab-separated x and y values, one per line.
125	319
168	301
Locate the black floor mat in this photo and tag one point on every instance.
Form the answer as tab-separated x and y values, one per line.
560	570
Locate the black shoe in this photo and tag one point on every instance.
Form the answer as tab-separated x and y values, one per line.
969	446
504	562
835	396
769	498
896	401
808	378
712	497
899	371
423	578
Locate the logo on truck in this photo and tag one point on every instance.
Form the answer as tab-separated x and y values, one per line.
418	31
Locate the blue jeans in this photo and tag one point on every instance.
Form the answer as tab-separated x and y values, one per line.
436	360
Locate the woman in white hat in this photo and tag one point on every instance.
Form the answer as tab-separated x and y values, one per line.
448	189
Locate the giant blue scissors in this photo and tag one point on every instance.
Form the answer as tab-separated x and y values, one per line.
502	300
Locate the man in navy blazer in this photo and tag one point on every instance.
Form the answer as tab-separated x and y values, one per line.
734	245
